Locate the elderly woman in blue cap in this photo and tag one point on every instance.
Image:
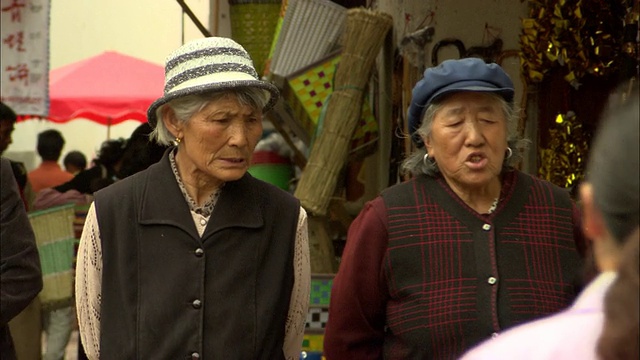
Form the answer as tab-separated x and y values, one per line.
469	246
194	258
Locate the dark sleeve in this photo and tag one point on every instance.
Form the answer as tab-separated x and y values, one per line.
82	181
20	277
355	329
20	173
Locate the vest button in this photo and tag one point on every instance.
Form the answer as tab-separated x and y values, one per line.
195	356
199	252
197	304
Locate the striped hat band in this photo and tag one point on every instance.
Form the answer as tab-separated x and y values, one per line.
209	64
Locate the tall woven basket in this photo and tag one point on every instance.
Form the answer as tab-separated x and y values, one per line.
253	25
55	239
363	37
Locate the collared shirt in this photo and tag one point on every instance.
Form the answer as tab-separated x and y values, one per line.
571	334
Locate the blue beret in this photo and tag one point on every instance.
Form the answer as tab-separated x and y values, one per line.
468	74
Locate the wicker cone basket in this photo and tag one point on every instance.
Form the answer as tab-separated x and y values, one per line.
363	38
55	238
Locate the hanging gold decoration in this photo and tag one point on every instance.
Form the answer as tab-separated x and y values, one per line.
563	160
581	36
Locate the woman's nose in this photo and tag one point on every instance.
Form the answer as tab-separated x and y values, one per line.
237	134
474	134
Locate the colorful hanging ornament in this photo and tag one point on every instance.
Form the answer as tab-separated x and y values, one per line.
581	36
563	160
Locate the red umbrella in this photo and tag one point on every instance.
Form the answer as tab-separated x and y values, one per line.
108	88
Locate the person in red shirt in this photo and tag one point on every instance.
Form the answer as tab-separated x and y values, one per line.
49	173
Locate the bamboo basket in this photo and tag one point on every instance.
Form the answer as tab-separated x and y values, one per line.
363	38
55	238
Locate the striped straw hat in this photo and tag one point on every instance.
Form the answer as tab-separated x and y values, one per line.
209	64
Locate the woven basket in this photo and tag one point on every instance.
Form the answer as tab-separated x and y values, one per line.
253	25
307	91
55	239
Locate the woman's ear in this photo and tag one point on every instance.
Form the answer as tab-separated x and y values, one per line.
427	144
170	121
592	221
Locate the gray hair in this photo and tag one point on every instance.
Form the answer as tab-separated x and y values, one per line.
186	107
415	164
613	166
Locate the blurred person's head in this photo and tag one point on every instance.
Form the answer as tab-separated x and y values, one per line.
610	192
8	119
107	159
50	144
140	152
620	338
74	162
121	158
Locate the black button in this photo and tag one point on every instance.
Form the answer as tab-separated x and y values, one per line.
195	355
197	304
199	252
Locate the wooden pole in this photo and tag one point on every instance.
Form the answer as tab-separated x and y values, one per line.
194	18
323	258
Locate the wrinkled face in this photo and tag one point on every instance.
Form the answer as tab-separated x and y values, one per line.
468	139
218	141
6	128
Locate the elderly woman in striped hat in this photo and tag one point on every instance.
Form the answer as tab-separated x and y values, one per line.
193	257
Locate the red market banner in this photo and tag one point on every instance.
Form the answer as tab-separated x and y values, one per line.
24	69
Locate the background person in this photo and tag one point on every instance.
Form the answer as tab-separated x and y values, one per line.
116	160
20	273
8	120
610	197
55	323
26	327
49	173
209	261
468	247
74	162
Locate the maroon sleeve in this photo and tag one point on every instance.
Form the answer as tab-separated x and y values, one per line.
355	329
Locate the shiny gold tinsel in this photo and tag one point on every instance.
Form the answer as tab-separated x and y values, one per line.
582	36
563	161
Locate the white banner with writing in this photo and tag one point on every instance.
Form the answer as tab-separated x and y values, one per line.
24	53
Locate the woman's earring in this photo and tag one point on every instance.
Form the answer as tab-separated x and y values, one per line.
176	141
509	152
426	160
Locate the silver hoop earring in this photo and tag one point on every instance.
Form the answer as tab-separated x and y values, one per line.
426	160
509	153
